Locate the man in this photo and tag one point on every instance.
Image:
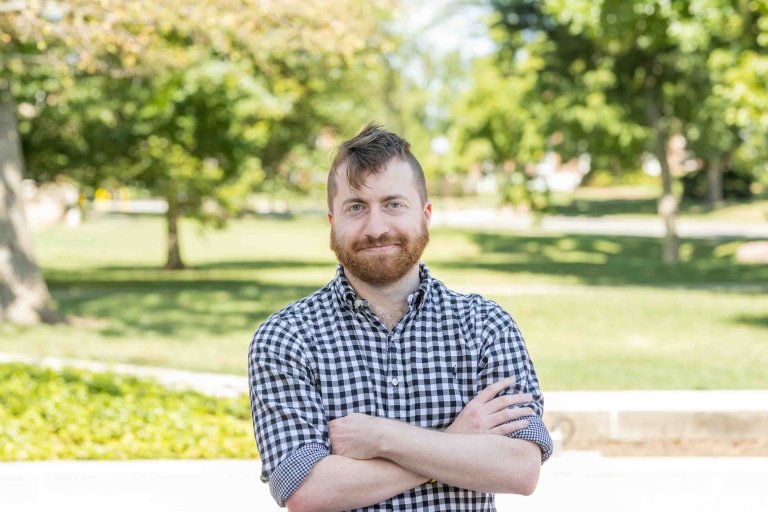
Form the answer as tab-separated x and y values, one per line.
384	389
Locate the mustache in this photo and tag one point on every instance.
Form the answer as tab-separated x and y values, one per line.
370	242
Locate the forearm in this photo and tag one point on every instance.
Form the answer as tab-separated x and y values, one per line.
341	483
480	462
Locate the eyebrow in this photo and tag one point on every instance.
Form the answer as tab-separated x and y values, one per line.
384	199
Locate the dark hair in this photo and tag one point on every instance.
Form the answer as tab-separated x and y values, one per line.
368	153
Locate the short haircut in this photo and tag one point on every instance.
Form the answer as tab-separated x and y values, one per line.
368	153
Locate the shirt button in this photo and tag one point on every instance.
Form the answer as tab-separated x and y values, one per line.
395	382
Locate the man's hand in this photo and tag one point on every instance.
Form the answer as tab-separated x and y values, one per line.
356	435
488	413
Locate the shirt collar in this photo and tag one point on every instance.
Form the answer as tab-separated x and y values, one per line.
347	295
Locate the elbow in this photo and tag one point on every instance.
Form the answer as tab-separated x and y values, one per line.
525	480
303	501
528	484
298	503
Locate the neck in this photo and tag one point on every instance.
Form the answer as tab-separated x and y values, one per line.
390	297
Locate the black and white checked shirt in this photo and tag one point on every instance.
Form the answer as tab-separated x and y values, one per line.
327	356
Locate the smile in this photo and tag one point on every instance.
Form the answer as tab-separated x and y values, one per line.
380	248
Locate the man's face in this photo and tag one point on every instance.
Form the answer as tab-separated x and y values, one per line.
380	231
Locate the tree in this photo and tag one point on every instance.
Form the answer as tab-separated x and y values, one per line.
493	125
198	103
24	297
641	66
740	78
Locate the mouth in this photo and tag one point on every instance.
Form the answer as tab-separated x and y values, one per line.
380	248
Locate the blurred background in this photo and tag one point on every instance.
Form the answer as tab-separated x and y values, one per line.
599	168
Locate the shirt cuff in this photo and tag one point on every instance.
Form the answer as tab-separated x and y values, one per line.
292	472
536	432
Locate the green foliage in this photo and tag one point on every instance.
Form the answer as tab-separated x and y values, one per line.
72	414
610	77
201	103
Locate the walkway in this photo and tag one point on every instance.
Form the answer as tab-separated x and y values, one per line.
500	219
571	481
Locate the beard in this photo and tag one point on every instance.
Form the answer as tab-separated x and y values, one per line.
380	269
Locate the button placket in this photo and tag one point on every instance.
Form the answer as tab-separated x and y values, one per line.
393	378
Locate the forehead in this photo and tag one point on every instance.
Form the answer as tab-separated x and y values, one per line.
396	176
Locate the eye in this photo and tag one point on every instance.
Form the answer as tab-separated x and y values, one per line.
355	207
395	204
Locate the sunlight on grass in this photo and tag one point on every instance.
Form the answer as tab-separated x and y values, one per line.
607	246
727	249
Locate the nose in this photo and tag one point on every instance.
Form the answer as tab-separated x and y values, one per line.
376	223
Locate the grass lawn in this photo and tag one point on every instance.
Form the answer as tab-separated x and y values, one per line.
598	312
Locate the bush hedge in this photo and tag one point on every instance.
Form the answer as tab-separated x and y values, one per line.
75	414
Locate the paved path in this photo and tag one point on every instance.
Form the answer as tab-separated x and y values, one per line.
500	219
506	219
570	481
215	384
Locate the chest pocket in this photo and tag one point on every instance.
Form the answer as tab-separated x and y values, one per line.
440	380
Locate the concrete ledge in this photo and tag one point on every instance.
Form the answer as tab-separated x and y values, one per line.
632	416
656	401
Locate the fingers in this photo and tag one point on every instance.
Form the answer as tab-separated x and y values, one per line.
510	420
506	415
490	392
508	428
505	401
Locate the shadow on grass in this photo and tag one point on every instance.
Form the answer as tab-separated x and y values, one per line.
204	300
267	264
600	207
150	276
752	320
610	260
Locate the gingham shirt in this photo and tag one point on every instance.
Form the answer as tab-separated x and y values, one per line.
327	356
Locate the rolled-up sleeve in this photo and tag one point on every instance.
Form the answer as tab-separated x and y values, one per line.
288	418
505	355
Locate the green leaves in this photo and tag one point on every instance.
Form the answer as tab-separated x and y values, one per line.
72	414
200	103
602	63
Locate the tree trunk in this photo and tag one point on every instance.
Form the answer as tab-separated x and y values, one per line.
668	202
24	297
715	182
668	207
173	260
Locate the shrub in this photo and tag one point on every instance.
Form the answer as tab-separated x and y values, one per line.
74	414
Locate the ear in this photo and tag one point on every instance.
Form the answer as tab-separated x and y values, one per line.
330	218
428	212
